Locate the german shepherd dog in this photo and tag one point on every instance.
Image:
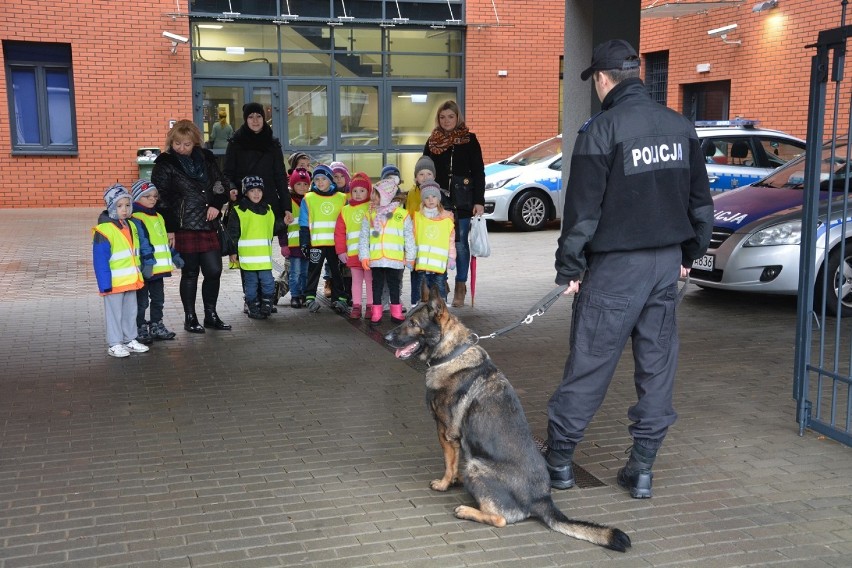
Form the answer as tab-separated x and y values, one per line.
480	417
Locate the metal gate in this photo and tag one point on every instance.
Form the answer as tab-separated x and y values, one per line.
822	384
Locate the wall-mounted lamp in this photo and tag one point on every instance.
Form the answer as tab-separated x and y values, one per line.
767	5
702	68
176	39
723	32
502	72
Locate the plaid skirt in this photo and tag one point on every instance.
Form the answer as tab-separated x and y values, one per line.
190	242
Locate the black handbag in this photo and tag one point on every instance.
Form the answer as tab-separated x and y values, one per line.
226	243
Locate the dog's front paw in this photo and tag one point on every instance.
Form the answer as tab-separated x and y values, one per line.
439	484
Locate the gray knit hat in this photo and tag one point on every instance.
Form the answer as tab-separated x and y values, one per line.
112	196
425	163
430	188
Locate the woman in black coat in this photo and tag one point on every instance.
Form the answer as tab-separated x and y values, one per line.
460	171
192	193
254	151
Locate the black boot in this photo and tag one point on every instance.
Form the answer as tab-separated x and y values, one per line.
559	465
211	319
266	308
254	311
637	476
191	324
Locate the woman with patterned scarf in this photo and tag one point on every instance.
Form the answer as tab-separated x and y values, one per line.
460	171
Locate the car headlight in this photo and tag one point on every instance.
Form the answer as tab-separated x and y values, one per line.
498	184
789	233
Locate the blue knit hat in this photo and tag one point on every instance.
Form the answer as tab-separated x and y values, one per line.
390	170
140	187
323	170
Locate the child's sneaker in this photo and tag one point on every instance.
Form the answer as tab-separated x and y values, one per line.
355	313
119	351
143	335
313	305
339	306
135	347
159	331
296	303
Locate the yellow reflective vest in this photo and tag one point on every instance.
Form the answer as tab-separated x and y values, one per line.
156	227
255	245
293	228
124	261
432	237
353	215
390	243
323	211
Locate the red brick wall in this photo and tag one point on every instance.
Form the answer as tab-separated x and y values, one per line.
769	72
511	113
127	87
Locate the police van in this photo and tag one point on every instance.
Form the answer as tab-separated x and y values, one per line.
738	153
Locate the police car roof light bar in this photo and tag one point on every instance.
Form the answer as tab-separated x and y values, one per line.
744	122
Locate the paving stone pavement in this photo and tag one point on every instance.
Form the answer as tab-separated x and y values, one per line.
301	441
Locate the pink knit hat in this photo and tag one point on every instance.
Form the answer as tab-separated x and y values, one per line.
387	189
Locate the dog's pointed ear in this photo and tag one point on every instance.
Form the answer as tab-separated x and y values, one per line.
436	302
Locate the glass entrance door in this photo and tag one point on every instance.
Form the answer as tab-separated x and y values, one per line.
218	108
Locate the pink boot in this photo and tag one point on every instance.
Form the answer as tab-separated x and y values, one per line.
375	314
396	313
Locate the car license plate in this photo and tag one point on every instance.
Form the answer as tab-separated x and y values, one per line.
704	263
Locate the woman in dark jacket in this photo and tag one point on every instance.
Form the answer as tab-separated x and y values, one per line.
192	193
460	171
254	151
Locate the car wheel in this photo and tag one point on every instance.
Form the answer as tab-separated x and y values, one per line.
842	283
529	211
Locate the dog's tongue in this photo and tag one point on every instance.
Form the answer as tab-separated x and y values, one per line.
406	351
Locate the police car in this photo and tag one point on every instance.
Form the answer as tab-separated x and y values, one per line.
738	153
757	234
525	188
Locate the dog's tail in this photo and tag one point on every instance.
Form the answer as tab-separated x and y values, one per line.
608	537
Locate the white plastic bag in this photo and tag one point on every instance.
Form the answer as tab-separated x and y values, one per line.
479	246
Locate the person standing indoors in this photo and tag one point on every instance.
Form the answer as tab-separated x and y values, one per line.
192	194
460	171
637	202
254	151
220	133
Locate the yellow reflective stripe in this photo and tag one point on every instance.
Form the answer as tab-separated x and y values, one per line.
121	255
324	224
119	272
161	248
437	263
255	242
426	249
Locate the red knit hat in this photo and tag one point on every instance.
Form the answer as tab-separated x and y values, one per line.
361	180
300	175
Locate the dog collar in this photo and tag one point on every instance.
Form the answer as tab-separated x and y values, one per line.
452	354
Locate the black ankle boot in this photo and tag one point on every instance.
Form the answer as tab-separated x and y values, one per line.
211	319
191	324
560	468
637	476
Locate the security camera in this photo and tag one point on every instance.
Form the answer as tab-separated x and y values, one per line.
722	31
175	37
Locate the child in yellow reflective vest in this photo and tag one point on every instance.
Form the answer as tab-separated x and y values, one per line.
152	227
386	246
347	234
252	224
435	236
118	271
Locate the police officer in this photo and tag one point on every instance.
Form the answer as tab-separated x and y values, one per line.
637	212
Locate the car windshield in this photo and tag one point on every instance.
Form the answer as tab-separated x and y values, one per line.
538	153
793	175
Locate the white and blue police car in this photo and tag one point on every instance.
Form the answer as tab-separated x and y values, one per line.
757	234
525	188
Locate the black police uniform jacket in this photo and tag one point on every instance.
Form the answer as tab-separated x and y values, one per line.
637	181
